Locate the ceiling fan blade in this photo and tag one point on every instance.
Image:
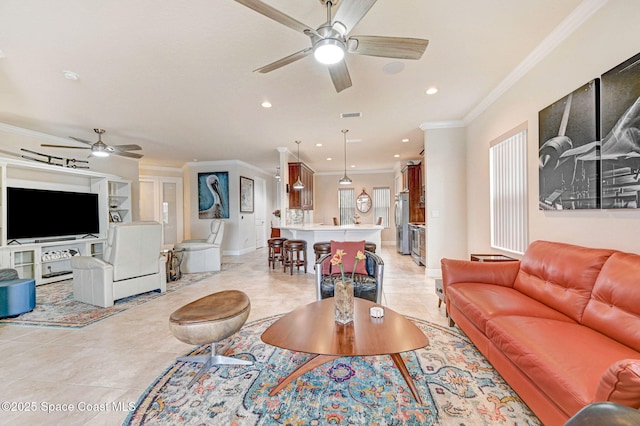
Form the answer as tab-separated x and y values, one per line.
350	12
387	47
274	14
132	147
340	76
284	61
64	146
127	154
81	140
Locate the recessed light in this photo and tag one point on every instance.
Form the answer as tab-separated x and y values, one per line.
396	155
70	75
405	140
432	91
318	144
266	104
329	158
353	165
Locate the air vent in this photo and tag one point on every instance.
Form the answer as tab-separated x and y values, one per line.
351	115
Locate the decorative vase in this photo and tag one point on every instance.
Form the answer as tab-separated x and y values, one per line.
343	301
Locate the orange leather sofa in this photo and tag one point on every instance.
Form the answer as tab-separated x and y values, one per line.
562	325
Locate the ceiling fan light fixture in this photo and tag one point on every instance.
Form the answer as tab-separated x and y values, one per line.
329	51
98	153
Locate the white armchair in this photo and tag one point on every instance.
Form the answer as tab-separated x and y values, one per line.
132	265
203	255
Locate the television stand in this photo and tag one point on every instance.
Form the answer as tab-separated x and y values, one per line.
56	274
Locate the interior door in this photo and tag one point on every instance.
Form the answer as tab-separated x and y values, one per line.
161	201
260	206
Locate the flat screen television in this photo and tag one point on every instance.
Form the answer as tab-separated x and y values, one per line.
38	213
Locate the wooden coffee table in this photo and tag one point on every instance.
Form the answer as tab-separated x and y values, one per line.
312	329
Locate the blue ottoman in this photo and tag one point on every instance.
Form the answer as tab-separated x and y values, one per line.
17	297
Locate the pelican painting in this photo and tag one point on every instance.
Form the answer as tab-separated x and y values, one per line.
213	195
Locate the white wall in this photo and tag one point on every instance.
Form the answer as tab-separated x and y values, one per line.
446	196
325	197
608	38
240	230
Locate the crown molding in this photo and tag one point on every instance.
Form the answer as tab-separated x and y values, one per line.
32	133
567	27
570	24
451	124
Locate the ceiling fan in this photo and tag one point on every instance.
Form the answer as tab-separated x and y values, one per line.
331	40
100	149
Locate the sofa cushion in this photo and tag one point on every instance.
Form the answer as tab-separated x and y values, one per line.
560	275
565	360
614	307
481	302
621	383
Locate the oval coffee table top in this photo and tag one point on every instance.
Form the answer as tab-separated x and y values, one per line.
312	329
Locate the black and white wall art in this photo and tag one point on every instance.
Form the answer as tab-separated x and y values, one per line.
621	135
569	151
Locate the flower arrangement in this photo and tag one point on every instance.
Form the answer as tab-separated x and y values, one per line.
276	213
336	260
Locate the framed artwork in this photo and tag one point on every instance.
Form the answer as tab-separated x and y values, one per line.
115	217
246	195
569	151
213	195
621	135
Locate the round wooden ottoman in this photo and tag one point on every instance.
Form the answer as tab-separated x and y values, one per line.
208	320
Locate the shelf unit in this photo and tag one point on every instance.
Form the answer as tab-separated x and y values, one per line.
49	260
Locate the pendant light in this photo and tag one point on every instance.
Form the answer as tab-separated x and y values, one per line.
345	179
298	184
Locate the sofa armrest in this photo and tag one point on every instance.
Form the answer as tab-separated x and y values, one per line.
498	273
89	262
621	383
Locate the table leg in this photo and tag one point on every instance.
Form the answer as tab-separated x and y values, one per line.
397	359
312	363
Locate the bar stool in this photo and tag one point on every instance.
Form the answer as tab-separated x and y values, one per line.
276	246
297	248
321	248
368	246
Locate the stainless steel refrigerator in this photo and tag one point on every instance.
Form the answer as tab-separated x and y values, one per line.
403	243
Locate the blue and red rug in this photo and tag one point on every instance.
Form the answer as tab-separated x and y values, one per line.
457	384
55	306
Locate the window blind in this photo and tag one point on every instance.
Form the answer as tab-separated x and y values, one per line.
508	192
381	205
346	205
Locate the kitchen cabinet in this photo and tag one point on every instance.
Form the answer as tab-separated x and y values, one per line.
300	198
412	183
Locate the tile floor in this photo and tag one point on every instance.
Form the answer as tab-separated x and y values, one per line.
92	375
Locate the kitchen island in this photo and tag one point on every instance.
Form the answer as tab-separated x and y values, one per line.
315	233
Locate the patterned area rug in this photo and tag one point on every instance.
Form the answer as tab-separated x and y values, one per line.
55	306
457	384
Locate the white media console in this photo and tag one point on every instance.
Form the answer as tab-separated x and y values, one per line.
49	259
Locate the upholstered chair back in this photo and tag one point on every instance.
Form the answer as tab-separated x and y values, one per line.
133	249
217	232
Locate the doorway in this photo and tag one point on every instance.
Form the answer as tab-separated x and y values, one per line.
260	212
161	201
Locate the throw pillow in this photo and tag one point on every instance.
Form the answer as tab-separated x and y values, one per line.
350	248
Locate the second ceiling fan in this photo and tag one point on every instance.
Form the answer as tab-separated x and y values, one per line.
331	40
101	149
